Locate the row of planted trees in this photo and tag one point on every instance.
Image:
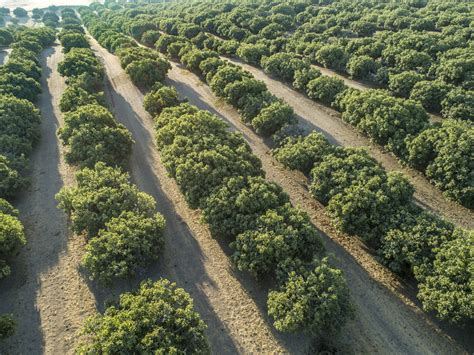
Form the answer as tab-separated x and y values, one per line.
217	173
124	232
399	124
19	132
361	197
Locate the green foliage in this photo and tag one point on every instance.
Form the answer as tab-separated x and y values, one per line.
188	30
332	56
193	58
150	37
7	326
325	88
403	83
238	92
459	104
200	154
159	318
316	302
412	244
447	287
73	40
19	126
302	153
18	65
139	26
273	117
79	61
6	37
385	119
164	41
304	76
235	207
226	75
363	208
361	67
31	44
127	243
430	94
92	135
283	65
20	12
7	208
457	67
155	101
441	152
12	238
10	179
337	171
101	194
210	66
252	53
146	72
19	85
132	54
278	234
75	96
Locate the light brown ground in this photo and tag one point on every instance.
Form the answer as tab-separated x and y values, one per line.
45	292
314	116
387	321
230	302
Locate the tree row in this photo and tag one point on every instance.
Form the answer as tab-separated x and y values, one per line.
19	132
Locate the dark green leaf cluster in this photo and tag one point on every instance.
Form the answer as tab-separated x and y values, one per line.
124	232
12	237
157	319
364	200
120	222
7	326
144	66
217	172
384	118
445	153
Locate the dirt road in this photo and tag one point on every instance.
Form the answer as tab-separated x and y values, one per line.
46	293
384	323
314	116
230	302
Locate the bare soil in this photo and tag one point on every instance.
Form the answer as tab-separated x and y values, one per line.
314	116
229	301
45	293
387	320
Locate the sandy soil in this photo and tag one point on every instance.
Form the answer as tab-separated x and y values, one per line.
232	304
349	82
46	293
387	321
314	116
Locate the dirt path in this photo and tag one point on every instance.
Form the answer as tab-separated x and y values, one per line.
384	323
45	293
313	116
232	304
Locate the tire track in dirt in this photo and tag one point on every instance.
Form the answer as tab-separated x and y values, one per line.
230	302
45	292
313	116
387	321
